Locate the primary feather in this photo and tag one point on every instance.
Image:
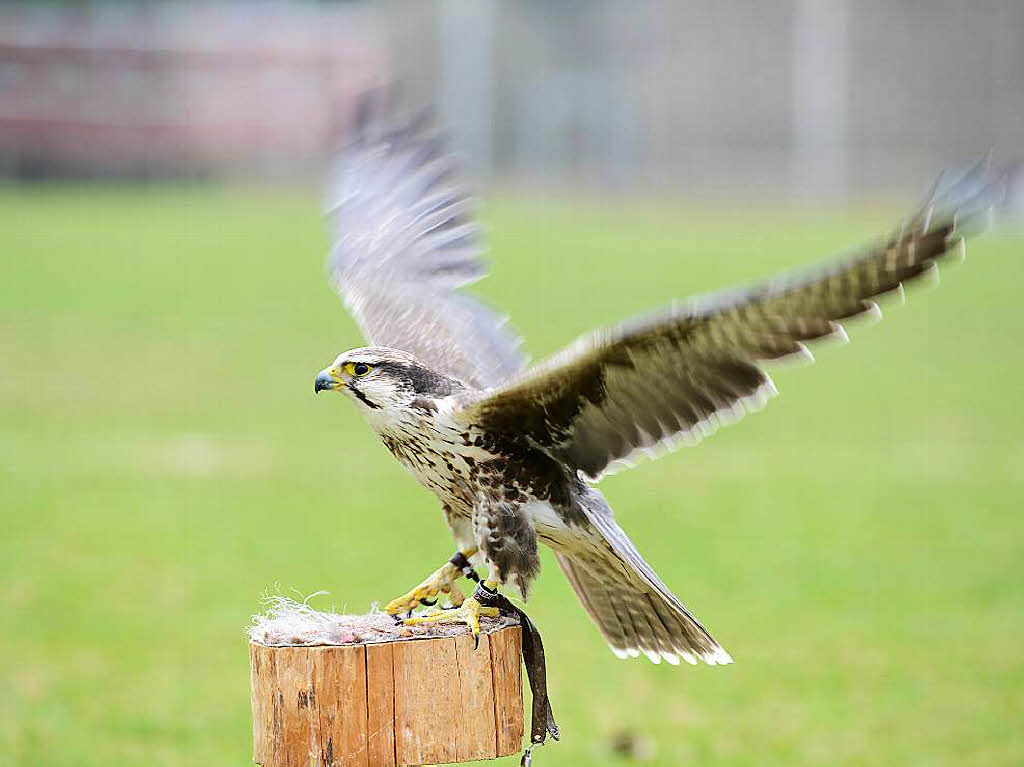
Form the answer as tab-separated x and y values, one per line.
674	377
404	240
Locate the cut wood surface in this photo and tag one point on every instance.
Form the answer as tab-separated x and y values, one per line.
415	701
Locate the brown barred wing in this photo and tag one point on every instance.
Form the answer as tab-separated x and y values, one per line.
672	378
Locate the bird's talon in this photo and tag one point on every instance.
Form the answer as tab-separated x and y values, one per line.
441	581
469	613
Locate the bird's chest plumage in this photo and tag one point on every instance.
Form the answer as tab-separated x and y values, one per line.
435	458
463	465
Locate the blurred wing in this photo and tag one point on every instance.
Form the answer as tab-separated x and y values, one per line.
403	241
673	378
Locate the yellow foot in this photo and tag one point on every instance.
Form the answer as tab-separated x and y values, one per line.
469	613
441	581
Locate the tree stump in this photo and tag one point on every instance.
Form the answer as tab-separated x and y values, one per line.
383	696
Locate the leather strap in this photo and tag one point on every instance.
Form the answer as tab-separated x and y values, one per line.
542	721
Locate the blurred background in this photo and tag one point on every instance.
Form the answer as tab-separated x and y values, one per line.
809	96
163	309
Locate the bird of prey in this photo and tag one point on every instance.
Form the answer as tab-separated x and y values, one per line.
512	451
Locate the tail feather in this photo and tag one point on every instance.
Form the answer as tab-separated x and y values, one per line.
636	617
634	610
597	604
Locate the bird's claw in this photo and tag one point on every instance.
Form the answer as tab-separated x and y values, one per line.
441	581
468	612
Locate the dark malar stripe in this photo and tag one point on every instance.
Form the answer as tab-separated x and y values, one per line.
362	398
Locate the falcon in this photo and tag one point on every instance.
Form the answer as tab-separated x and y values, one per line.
512	451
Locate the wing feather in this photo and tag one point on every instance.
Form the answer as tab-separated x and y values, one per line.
404	239
655	382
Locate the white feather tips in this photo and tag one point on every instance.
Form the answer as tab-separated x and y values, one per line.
697	433
716	657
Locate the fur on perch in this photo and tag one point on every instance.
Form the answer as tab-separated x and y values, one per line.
360	690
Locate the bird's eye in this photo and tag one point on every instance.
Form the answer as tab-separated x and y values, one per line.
360	369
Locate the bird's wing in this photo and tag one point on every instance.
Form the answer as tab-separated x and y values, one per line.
404	240
674	377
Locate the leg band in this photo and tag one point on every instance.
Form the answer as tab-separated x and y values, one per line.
462	563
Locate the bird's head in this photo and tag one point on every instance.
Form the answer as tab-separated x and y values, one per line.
385	382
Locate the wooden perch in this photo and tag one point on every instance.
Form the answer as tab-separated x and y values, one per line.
411	700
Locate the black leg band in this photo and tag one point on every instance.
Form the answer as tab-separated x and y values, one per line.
488	597
462	563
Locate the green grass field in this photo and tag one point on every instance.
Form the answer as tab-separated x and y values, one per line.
858	546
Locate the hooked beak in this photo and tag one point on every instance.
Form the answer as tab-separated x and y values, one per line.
325	381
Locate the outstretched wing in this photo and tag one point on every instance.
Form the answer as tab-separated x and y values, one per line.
404	240
674	377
